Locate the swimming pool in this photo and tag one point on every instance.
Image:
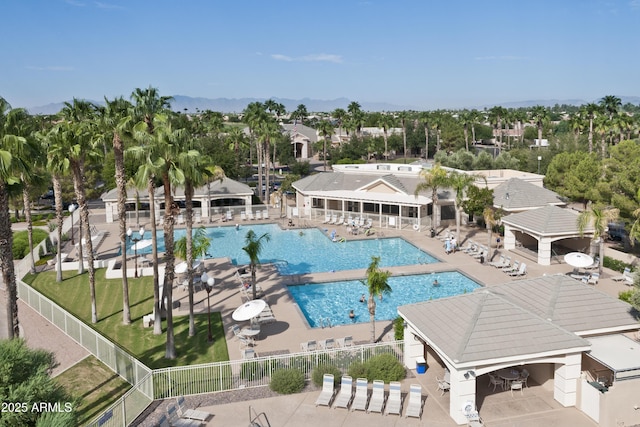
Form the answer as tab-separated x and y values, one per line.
301	251
322	303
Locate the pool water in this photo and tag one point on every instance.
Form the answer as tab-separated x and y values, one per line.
329	303
296	251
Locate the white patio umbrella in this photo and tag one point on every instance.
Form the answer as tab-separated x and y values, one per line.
248	310
141	245
181	268
578	259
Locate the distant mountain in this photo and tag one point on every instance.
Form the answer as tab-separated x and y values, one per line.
235	105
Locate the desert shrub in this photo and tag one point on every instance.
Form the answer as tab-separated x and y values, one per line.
358	370
287	381
320	370
385	367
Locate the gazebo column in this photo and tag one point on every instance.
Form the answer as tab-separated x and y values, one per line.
565	380
413	348
509	238
247	204
109	211
380	214
544	251
463	390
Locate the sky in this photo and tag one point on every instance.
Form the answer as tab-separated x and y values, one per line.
422	54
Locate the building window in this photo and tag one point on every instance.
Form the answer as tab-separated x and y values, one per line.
317	203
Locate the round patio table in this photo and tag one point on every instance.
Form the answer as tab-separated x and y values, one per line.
508	374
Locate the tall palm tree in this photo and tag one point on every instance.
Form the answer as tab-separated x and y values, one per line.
377	283
465	119
496	114
591	111
386	122
116	120
460	182
340	115
539	116
432	179
253	248
403	116
491	218
12	163
300	113
610	104
254	115
147	104
437	119
598	217
425	118
326	129
268	131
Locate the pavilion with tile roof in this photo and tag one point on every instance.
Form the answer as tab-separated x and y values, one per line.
517	195
543	323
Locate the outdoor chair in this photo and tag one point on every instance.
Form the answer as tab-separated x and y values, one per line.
593	279
326	394
192	414
248	353
495	381
499	263
443	386
344	396
521	271
394	401
376	403
514	267
309	346
414	407
625	276
524	377
362	395
345	342
177	421
328	344
245	341
516	385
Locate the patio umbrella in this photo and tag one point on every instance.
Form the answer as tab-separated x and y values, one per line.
181	268
141	245
249	310
578	259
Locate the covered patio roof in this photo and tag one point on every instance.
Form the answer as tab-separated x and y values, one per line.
515	195
619	353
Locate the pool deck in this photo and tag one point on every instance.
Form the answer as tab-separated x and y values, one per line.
290	330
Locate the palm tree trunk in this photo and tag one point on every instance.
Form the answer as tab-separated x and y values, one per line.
268	172
27	215
6	264
157	305
78	173
372	316
426	141
122	222
590	135
188	192
169	274
57	196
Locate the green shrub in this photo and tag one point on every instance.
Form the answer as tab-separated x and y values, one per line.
358	370
287	381
385	367
398	328
320	370
616	265
20	247
626	295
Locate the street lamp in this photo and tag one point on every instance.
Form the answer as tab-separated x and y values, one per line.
539	158
72	208
135	248
208	286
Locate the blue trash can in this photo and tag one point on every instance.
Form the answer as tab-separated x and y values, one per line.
421	365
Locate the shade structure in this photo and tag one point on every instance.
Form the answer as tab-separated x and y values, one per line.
578	259
248	310
181	268
141	245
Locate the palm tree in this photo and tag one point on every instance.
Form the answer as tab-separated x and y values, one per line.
496	114
116	120
300	114
598	217
465	118
591	111
253	247
539	115
339	114
403	116
433	179
378	284
268	130
460	182
611	104
11	164
386	122
326	129
425	118
491	218
254	115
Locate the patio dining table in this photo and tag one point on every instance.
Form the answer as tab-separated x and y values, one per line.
508	375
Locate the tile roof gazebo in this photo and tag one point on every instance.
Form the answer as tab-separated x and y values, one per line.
544	226
536	322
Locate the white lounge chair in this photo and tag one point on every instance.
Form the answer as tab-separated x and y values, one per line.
443	386
345	342
593	279
394	401
328	344
309	346
362	395
414	407
258	215
248	353
344	396
327	219
326	394
340	221
250	216
229	215
192	414
243	216
627	276
513	267
177	421
265	214
376	403
516	385
521	271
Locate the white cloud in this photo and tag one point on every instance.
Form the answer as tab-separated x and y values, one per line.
634	4
315	57
50	68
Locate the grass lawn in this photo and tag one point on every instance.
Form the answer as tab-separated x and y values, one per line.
95	384
73	295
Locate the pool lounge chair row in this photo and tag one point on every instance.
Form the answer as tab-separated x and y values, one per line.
259	215
377	401
327	344
504	263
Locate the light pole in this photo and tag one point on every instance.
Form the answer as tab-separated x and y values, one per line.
72	208
539	158
208	286
135	248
